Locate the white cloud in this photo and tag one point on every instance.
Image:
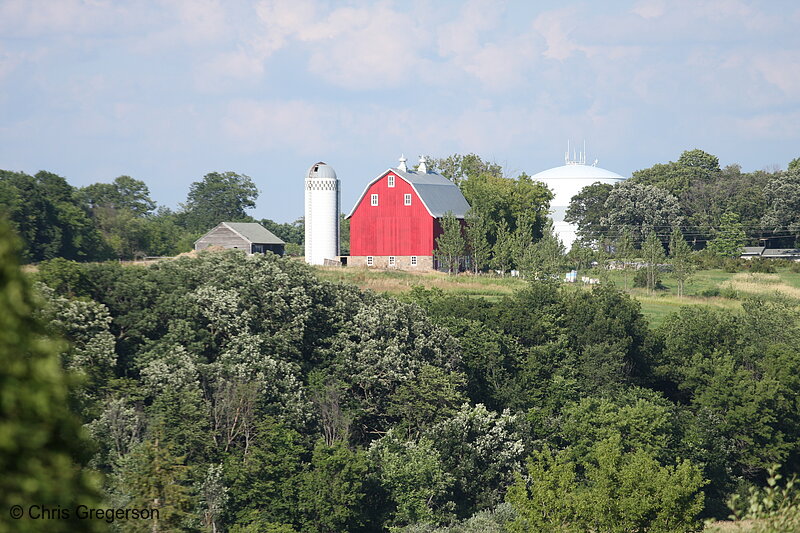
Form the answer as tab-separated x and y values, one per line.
556	28
42	18
649	9
301	127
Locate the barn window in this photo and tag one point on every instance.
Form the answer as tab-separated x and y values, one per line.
391	180
392	261
369	261
413	260
374	200
407	199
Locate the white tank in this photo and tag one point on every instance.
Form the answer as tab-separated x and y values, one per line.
567	181
322	214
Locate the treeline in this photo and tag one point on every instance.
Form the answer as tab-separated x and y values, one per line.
696	196
119	220
690	201
242	394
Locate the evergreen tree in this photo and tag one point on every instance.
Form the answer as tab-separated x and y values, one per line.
730	236
503	249
680	257
450	245
653	255
625	251
547	254
523	256
152	477
41	444
477	241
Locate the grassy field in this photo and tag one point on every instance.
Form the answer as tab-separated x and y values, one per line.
714	288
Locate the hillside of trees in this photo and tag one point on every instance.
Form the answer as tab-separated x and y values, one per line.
241	393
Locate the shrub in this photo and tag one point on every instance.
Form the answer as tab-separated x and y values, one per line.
773	509
761	265
640	280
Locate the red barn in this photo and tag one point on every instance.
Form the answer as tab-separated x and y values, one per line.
395	222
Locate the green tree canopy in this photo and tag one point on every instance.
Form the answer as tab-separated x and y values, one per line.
219	197
729	238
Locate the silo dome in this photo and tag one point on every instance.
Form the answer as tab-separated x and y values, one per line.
567	181
321	170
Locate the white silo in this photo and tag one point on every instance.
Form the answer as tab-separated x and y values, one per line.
567	181
322	214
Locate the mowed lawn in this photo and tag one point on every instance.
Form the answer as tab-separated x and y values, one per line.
713	288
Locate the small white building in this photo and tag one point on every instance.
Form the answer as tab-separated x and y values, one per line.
323	205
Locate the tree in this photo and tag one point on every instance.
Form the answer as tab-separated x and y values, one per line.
624	251
503	249
482	450
641	208
680	257
42	449
546	257
782	195
477	241
458	168
677	178
653	255
417	482
124	193
504	199
450	245
333	490
266	480
587	209
730	238
617	492
152	477
420	403
219	197
700	160
49	219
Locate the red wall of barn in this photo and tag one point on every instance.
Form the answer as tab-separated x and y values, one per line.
391	228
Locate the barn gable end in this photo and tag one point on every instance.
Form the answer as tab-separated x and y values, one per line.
394	223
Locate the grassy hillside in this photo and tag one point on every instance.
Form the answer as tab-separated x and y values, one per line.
714	288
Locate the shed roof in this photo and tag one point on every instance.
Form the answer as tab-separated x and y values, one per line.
782	252
750	250
438	194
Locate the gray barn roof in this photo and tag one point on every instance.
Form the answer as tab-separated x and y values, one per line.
438	194
253	232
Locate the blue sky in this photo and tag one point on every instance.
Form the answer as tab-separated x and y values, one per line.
166	91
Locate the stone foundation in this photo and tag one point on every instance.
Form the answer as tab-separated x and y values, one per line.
402	262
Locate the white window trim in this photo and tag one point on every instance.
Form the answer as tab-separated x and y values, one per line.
392	261
391	180
407	199
373	200
370	260
413	260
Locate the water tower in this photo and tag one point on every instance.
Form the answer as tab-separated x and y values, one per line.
322	214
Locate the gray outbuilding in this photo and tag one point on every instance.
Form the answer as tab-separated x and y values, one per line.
251	237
